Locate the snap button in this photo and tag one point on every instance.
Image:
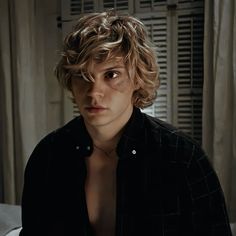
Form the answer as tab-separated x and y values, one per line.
77	147
134	152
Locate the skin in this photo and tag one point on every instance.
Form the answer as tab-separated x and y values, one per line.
106	105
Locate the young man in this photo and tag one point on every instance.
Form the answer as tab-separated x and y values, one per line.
114	170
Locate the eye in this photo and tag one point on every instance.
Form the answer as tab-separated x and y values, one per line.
111	75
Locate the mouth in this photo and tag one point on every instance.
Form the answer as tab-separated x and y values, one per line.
95	109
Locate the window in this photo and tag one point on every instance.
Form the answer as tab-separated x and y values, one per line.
176	29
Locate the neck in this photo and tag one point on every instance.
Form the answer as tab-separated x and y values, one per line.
107	136
104	137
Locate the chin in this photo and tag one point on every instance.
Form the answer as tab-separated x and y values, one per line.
96	121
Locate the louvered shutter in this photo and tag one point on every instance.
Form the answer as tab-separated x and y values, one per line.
150	5
119	5
189	81
72	8
190	3
157	30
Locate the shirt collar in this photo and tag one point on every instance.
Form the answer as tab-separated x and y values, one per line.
130	144
133	137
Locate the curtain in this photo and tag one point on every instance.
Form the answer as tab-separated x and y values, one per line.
22	119
219	94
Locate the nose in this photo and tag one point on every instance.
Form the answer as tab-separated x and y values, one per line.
96	89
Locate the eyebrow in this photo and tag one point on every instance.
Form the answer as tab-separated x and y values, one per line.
114	67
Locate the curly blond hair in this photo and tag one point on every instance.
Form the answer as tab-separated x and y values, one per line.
101	36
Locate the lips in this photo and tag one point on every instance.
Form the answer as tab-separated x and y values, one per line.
95	109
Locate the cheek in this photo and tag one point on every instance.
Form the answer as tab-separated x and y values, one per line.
123	86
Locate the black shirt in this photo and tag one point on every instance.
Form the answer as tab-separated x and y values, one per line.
165	184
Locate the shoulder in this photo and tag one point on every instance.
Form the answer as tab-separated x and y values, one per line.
54	142
70	129
181	153
63	134
168	132
175	144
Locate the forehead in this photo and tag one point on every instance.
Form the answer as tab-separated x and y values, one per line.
113	62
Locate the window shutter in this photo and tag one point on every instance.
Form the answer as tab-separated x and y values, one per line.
72	8
119	5
150	5
188	97
157	30
192	2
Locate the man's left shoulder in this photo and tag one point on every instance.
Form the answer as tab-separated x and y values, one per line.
171	138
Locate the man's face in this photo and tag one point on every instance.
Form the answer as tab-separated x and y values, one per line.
107	100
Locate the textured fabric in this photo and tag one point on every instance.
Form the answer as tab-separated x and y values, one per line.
165	184
219	97
30	99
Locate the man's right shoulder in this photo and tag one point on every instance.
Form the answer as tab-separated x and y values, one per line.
67	130
54	143
58	138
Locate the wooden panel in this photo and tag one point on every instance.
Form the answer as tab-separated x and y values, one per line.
190	72
119	5
157	31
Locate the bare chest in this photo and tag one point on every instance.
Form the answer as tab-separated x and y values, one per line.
100	190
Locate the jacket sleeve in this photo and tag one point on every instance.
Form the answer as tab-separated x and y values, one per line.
33	197
209	213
